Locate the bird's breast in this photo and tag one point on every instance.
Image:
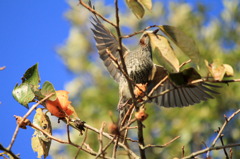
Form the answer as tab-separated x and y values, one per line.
139	69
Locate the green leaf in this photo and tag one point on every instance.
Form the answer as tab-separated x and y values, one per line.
184	77
147	4
164	53
136	8
184	42
40	142
23	94
31	76
47	89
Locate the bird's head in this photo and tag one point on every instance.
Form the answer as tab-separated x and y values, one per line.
145	39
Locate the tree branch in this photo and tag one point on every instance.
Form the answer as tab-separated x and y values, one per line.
216	138
95	12
138	32
24	117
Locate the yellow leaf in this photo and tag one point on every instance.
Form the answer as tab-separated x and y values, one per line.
184	42
136	8
229	70
217	70
40	142
147	4
164	53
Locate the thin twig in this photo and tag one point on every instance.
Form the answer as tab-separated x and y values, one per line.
213	147
24	117
9	152
90	151
84	140
225	151
111	138
210	149
214	81
184	63
100	151
68	131
223	126
2	68
95	13
159	84
159	146
183	151
115	148
138	32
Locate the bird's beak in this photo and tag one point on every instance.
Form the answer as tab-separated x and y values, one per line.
155	31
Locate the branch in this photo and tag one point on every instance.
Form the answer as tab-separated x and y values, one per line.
214	81
138	32
24	117
159	146
216	138
223	126
9	152
91	152
112	138
210	149
95	12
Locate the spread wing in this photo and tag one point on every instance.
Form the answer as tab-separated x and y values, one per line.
178	96
105	39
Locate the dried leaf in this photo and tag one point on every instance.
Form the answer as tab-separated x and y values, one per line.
136	8
164	53
184	42
40	142
147	4
217	70
229	70
61	107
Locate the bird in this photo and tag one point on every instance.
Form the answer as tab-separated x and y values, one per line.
144	72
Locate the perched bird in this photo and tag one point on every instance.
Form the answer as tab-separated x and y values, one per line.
144	72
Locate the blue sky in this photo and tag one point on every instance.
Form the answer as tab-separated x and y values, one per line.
30	32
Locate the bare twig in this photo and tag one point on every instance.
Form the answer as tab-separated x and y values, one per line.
24	117
100	151
223	126
213	147
157	85
184	63
111	138
84	140
95	12
225	151
183	151
159	146
7	151
214	81
138	32
2	68
88	150
115	148
210	149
